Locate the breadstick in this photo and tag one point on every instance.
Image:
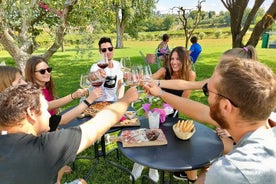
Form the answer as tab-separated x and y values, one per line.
190	126
183	126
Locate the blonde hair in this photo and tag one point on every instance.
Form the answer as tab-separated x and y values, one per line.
7	76
248	52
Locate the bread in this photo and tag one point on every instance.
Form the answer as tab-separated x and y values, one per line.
185	125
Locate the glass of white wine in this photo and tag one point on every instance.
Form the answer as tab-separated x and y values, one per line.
84	82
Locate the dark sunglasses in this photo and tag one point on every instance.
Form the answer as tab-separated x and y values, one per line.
110	49
206	92
43	71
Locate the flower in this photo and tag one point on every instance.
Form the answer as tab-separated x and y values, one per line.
153	104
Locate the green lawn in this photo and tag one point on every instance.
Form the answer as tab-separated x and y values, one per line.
69	65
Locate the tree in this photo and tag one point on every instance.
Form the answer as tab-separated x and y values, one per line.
129	15
237	9
189	25
18	26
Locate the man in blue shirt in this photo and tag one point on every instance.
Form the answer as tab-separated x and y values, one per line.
195	49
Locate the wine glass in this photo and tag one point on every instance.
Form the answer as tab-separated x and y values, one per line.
132	78
104	62
147	73
126	68
84	82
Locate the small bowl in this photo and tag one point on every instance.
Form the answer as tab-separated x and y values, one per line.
130	114
183	135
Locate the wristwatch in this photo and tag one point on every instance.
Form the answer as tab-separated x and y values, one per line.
87	103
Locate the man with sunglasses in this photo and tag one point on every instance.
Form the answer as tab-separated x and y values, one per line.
241	96
112	86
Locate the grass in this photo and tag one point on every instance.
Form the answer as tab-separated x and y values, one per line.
69	65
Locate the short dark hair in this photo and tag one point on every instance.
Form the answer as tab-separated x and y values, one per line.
165	37
193	39
104	40
16	100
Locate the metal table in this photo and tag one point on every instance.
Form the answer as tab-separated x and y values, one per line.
178	155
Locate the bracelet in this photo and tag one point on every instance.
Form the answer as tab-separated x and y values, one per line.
72	96
158	83
87	103
161	93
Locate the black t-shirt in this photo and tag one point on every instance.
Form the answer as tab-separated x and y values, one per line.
28	159
172	91
54	122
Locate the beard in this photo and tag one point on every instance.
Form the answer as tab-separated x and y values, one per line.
216	115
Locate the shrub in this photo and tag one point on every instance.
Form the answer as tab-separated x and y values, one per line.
218	34
201	35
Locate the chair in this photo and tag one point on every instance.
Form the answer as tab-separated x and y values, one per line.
150	59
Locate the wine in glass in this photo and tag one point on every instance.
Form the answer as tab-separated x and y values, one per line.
133	77
97	83
104	62
84	82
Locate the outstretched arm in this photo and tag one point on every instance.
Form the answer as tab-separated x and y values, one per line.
66	99
195	110
73	113
93	129
181	84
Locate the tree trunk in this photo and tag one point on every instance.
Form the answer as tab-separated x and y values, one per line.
236	9
22	51
262	25
119	34
17	54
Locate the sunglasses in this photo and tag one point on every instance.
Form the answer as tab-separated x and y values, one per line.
206	92
43	71
110	49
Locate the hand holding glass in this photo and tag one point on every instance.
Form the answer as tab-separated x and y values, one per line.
84	82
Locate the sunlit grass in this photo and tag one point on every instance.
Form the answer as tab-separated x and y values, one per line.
69	65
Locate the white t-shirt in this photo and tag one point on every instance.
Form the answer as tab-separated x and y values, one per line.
110	86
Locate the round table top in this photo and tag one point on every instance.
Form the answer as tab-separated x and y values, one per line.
199	151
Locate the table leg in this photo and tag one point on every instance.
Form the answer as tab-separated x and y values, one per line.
162	176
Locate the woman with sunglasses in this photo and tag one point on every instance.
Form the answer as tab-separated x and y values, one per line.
179	67
38	72
112	85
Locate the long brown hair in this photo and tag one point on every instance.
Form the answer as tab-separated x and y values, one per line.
184	58
7	76
30	74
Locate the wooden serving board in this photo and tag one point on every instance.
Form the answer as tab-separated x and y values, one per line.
138	138
128	123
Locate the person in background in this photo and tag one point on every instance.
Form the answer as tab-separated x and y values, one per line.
163	50
12	76
113	87
243	112
38	72
26	144
180	67
195	49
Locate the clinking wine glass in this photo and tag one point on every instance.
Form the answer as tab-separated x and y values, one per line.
132	77
98	80
84	82
104	62
126	68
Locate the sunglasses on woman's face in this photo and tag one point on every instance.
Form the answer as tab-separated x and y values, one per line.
110	49
43	71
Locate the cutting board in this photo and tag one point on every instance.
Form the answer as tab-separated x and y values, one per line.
138	138
128	123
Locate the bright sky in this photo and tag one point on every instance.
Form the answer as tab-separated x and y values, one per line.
164	6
